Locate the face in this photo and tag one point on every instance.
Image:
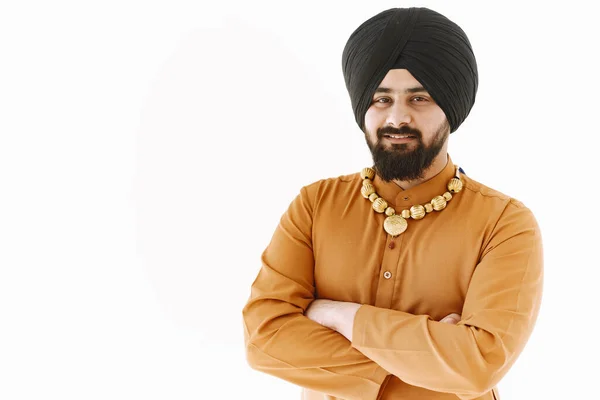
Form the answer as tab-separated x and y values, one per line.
404	127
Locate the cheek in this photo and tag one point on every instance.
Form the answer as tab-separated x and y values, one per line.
431	121
371	120
439	117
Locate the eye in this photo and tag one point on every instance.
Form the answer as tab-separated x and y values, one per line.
382	100
420	99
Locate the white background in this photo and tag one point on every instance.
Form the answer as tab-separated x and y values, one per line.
148	150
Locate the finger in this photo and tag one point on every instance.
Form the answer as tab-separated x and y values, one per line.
451	319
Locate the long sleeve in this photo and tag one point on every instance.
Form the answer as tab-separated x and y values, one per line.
498	316
279	339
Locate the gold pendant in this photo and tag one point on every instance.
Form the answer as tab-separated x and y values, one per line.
395	225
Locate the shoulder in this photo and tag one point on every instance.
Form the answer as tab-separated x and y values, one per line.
484	193
333	184
336	180
330	190
507	215
511	228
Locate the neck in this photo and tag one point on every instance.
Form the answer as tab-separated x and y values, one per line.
436	167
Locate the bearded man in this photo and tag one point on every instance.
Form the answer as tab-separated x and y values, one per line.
409	279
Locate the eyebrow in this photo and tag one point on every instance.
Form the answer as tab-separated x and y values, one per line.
416	89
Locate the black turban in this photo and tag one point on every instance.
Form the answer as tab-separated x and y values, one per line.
432	48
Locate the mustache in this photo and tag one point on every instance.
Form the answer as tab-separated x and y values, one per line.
403	130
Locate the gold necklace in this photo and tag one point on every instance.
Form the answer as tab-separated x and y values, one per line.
395	224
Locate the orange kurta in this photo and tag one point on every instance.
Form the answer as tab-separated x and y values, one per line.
480	257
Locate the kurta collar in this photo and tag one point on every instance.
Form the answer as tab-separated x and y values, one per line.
402	199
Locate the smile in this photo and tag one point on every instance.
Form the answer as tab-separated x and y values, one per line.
400	136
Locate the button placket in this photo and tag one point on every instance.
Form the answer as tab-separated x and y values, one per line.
388	266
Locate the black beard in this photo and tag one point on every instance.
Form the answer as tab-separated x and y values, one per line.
397	162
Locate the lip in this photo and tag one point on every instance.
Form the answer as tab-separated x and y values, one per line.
399	140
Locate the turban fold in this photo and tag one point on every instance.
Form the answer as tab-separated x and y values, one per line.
432	48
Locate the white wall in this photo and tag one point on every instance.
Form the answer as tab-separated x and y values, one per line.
148	149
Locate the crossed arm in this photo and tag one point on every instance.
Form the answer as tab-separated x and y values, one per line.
339	315
349	352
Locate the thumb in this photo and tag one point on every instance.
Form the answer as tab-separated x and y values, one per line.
451	319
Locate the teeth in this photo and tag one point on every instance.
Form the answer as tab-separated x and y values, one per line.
399	136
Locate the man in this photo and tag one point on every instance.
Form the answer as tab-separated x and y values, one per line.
408	280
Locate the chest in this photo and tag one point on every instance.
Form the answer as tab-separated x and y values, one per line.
425	270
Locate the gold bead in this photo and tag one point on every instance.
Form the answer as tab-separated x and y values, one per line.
395	225
428	207
438	203
367	180
447	196
417	211
379	205
405	214
373	197
367	173
455	185
390	211
367	189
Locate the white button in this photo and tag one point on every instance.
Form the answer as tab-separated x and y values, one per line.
387	274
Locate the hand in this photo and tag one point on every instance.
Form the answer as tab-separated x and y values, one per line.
451	319
335	315
322	312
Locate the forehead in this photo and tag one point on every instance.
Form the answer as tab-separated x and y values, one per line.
399	79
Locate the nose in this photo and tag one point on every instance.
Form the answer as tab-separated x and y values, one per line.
398	115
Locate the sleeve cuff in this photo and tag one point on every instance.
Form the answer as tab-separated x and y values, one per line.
360	323
380	376
370	323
